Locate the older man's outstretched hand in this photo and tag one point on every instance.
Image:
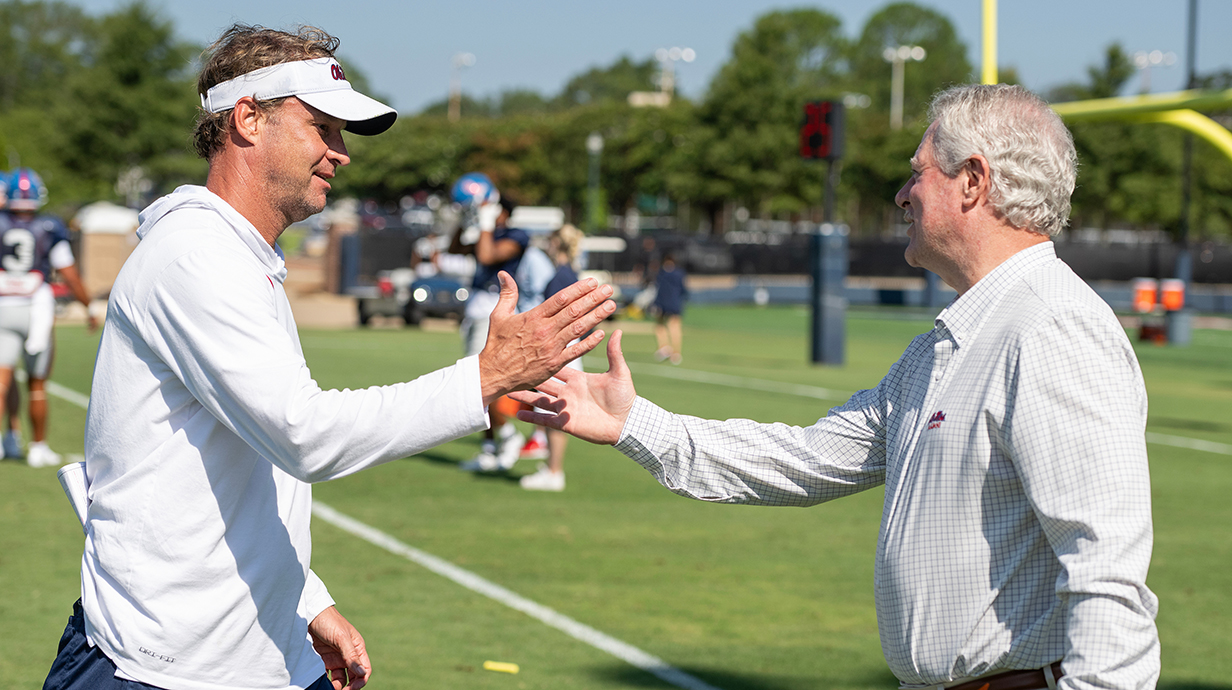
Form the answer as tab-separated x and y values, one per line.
592	407
524	350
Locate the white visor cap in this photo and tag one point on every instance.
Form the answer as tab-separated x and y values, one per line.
320	83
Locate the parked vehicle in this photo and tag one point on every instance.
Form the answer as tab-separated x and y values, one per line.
398	293
440	297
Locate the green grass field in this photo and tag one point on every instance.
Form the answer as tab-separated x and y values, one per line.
744	598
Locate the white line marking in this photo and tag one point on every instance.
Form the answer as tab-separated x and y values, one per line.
82	401
621	650
1190	443
727	380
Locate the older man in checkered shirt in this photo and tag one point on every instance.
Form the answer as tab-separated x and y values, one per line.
1016	531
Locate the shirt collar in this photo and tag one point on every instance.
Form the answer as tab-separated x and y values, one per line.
968	311
271	257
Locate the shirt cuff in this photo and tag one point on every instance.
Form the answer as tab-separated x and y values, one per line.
642	436
315	597
476	411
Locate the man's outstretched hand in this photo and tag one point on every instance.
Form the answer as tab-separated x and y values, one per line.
342	649
524	350
592	407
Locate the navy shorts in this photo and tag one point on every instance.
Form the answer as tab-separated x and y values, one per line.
78	666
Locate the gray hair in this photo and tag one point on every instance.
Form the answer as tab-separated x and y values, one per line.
1029	150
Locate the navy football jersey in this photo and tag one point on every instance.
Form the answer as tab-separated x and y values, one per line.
25	251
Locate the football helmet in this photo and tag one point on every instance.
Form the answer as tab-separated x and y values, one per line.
26	190
474	189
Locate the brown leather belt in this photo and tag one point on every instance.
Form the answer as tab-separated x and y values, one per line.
1011	680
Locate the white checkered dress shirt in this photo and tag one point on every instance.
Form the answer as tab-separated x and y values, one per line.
1017	522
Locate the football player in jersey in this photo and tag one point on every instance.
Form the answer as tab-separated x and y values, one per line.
12	437
31	246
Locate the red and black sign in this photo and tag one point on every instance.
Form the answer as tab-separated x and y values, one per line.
821	134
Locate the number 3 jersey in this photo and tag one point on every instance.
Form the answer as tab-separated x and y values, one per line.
29	250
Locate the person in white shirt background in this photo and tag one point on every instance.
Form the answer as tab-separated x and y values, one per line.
205	428
1016	530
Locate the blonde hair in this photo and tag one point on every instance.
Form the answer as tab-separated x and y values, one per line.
568	240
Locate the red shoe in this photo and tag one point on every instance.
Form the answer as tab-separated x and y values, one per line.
536	447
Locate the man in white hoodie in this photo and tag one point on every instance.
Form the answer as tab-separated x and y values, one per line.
205	427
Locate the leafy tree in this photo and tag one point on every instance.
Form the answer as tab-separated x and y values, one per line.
85	99
878	157
1123	167
41	45
470	107
613	83
743	147
422	152
1103	81
522	102
905	23
132	105
511	102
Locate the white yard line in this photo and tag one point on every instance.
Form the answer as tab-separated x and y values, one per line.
1190	443
606	643
727	380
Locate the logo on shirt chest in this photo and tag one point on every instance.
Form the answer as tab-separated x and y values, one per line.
935	420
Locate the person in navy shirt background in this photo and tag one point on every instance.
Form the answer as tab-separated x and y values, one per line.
670	296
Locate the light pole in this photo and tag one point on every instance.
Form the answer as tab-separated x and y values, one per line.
594	146
897	57
668	57
460	61
1144	61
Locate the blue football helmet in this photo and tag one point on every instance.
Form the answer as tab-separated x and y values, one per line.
473	190
26	190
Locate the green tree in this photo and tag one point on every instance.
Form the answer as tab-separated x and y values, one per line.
613	83
905	23
419	152
878	157
1126	171
470	107
134	105
522	102
1103	81
41	46
744	145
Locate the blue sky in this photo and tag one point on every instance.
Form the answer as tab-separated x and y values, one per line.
405	48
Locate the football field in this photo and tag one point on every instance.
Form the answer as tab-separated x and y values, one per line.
617	583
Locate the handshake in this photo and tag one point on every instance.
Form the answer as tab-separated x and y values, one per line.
524	350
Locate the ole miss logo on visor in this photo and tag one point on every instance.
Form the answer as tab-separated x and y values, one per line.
935	420
337	73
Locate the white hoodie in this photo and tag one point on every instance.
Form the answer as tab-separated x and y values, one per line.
204	429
